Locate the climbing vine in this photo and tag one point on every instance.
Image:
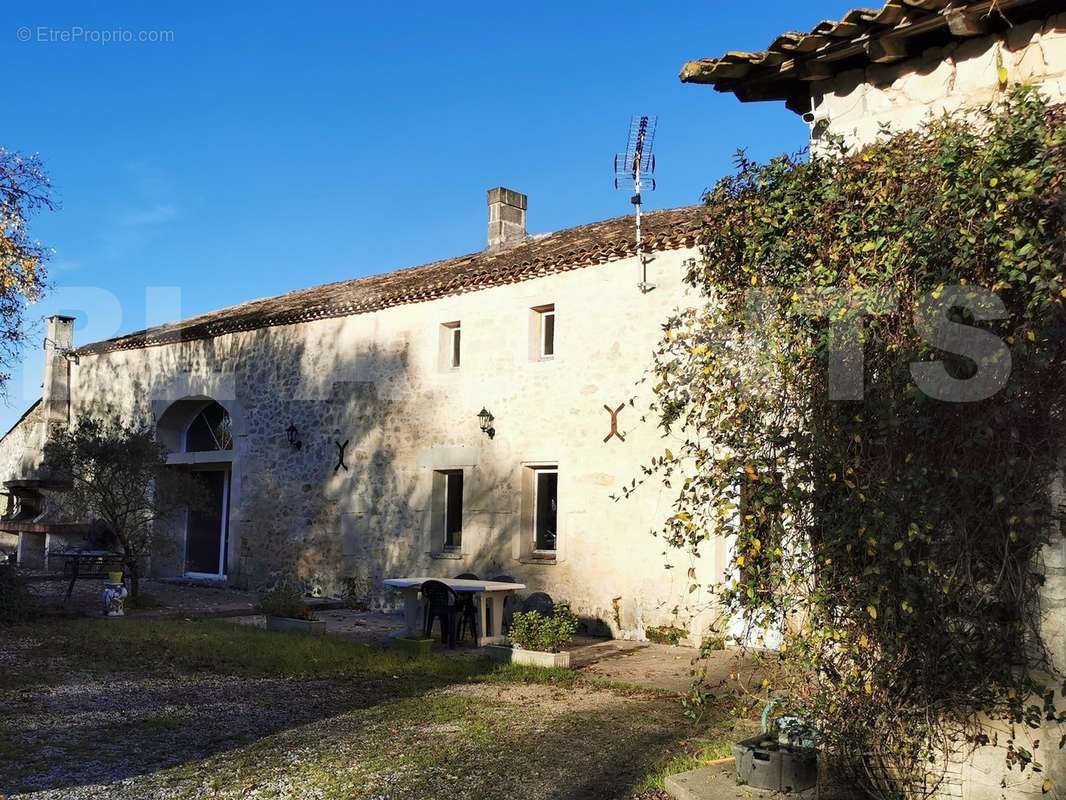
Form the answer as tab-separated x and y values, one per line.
871	402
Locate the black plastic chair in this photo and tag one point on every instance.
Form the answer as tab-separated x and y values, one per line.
541	602
442	603
467	609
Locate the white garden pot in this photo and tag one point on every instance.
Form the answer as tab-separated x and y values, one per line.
532	658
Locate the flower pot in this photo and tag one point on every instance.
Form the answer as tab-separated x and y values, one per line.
290	625
114	597
532	658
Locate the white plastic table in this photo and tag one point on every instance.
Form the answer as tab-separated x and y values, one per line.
492	593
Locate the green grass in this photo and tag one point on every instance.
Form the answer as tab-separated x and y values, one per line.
227	648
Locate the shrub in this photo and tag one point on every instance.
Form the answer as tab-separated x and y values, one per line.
17	603
900	517
356	593
531	630
666	634
284	601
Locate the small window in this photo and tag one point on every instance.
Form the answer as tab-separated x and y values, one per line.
542	333
547	334
545	509
450	345
453	509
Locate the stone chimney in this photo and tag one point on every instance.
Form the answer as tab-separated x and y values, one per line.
507	218
55	399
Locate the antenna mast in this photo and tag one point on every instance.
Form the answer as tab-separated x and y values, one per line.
634	168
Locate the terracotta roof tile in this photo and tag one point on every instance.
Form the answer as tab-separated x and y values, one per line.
778	72
566	250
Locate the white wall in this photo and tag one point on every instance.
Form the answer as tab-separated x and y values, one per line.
857	103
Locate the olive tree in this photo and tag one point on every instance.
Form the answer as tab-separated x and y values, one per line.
119	477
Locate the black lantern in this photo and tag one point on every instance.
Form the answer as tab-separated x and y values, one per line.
485	419
294	441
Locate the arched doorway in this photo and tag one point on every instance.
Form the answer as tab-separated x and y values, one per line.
198	432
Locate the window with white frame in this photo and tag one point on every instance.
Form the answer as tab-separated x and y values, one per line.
542	333
447	510
451	349
545	509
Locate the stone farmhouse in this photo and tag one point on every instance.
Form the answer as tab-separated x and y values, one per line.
338	432
894	67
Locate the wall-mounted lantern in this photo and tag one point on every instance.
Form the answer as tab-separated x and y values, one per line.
485	419
294	437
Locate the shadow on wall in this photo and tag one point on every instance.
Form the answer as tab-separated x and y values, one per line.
344	499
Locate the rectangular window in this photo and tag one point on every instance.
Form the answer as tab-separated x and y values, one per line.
453	509
450	346
542	333
545	509
547	339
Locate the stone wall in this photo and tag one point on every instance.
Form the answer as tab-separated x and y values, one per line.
856	104
376	381
20	445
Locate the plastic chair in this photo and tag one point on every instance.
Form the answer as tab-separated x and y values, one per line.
467	608
541	602
441	603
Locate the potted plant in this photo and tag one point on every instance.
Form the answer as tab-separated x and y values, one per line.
286	610
538	640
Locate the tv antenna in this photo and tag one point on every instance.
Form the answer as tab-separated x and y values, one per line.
633	170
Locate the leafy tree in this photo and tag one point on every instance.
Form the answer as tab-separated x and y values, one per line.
119	476
893	535
24	189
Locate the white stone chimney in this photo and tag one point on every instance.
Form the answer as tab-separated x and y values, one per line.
55	399
507	218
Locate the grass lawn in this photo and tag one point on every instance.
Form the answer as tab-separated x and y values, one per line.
178	709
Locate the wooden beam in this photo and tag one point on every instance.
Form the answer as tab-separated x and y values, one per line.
814	70
963	22
885	51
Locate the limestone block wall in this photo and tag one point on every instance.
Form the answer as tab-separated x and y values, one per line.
376	383
856	104
19	447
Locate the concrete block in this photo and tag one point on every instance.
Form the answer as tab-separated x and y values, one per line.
718	782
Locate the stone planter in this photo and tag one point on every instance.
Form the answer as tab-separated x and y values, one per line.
532	658
290	625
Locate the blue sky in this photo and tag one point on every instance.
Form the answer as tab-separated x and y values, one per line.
271	146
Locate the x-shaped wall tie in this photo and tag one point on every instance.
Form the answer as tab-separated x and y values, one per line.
614	423
340	455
